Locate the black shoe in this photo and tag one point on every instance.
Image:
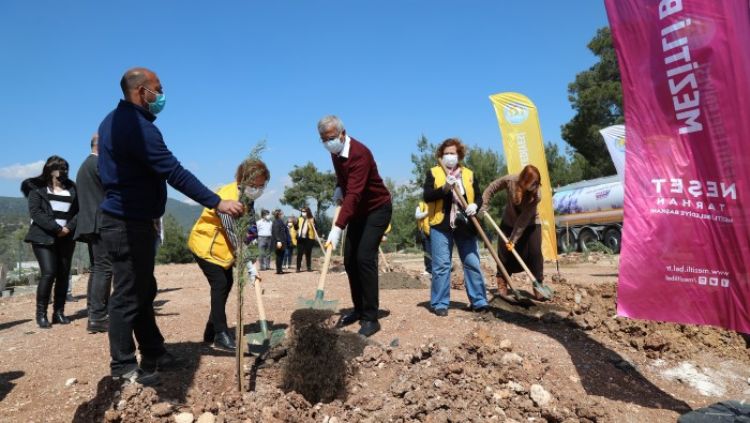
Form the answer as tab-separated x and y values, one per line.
482	309
369	328
224	342
280	273
70	299
349	319
208	333
299	271
138	375
166	362
59	317
97	326
42	322
442	312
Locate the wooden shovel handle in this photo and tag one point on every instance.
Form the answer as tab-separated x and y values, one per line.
513	250
329	252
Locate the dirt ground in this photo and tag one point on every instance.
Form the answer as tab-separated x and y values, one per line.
566	360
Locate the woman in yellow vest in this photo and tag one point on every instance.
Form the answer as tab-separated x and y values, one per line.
449	224
423	232
292	244
305	238
213	240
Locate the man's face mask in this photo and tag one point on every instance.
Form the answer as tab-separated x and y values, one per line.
334	145
158	104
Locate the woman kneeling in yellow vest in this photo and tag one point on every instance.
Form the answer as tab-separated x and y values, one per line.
449	224
213	240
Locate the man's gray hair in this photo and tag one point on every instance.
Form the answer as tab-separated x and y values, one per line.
329	121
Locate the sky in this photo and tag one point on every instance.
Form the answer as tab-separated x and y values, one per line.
236	72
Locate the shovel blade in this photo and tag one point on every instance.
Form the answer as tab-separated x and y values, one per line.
318	304
543	289
258	343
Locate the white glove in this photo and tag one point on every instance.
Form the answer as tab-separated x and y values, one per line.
279	245
334	237
451	180
338	196
419	214
251	270
471	209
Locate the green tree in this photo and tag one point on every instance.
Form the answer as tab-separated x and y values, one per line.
403	224
488	166
564	168
596	96
423	161
174	249
310	183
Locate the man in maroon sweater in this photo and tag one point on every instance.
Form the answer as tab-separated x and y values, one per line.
366	209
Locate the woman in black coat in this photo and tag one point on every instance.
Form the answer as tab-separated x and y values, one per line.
53	208
279	239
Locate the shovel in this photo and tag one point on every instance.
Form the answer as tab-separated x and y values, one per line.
486	240
382	255
539	287
318	302
260	342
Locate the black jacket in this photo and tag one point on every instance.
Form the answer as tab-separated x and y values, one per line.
44	229
278	233
90	196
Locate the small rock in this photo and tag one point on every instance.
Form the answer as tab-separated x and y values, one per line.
511	358
437	383
184	418
394	343
334	420
206	418
506	345
516	387
71	381
111	416
161	409
539	395
121	404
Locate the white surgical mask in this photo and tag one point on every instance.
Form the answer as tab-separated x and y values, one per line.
253	193
450	160
334	146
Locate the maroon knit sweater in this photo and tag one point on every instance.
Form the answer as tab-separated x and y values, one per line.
357	175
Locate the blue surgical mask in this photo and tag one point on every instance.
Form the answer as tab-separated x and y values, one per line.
157	105
334	146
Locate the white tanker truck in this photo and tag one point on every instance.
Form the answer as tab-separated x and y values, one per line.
587	212
591	211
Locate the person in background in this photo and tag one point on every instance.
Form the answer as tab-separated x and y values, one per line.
305	238
291	244
279	234
366	209
520	224
135	166
423	232
214	240
53	208
450	225
90	195
264	239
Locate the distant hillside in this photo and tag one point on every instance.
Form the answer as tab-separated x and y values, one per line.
15	209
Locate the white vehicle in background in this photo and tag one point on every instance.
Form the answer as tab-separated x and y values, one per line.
591	211
587	212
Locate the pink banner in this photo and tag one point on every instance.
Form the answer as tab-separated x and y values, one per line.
685	69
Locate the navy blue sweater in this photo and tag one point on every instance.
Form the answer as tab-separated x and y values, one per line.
134	164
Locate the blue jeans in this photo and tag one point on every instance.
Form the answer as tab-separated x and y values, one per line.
442	251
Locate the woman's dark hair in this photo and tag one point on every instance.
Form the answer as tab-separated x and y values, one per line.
460	148
53	163
528	176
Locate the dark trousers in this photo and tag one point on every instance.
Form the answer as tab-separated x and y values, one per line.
529	247
363	237
131	247
304	246
280	259
54	265
100	279
220	280
427	249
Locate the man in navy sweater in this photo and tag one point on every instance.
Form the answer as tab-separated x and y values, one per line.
366	209
135	165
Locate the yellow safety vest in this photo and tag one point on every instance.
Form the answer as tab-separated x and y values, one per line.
424	223
310	230
435	208
208	239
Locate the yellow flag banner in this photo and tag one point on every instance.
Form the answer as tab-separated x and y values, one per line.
523	144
